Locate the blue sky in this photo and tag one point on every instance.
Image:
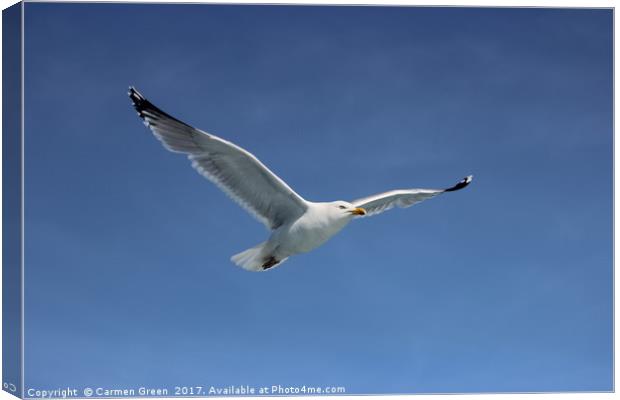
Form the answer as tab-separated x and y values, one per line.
505	286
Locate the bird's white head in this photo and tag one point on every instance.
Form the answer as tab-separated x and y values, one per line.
346	209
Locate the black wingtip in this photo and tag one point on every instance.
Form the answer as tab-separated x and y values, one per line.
135	96
463	183
139	102
147	109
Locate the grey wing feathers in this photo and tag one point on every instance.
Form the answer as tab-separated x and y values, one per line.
234	170
403	198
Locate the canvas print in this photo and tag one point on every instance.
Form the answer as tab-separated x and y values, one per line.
211	200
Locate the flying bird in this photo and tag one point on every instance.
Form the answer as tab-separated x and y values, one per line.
297	225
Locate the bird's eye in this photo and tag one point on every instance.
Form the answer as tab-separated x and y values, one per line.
342	207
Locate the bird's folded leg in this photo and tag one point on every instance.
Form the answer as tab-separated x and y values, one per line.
270	262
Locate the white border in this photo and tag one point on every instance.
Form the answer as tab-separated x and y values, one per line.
462	3
411	3
22	241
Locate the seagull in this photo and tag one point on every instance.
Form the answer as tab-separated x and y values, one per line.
297	225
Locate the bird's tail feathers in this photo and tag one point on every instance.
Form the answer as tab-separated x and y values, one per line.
255	259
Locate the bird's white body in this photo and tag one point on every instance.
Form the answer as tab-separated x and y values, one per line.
297	225
316	226
319	223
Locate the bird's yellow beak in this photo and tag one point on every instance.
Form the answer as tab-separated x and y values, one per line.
358	211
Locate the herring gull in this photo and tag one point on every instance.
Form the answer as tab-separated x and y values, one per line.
297	225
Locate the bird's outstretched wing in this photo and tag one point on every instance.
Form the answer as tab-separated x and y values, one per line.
234	170
403	198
